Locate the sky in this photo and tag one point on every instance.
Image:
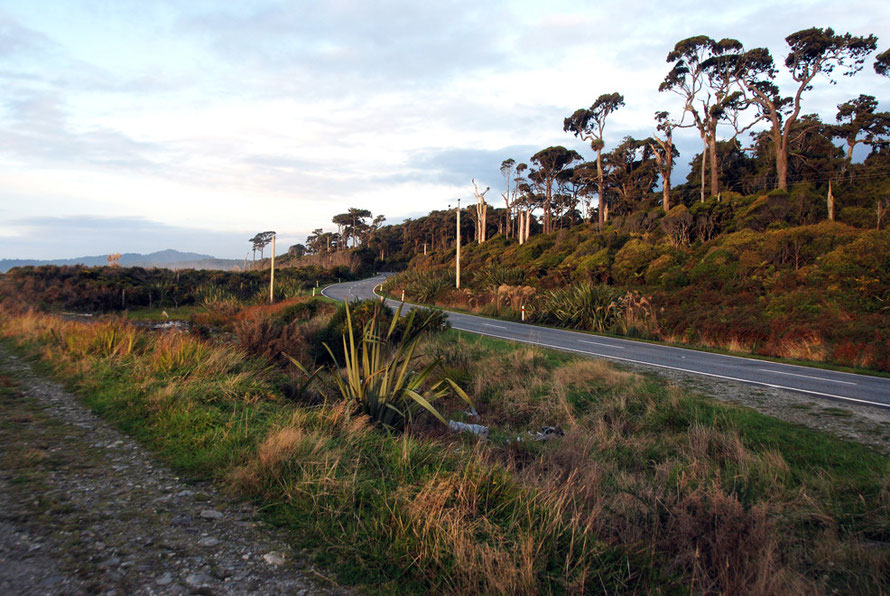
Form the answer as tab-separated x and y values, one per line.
135	126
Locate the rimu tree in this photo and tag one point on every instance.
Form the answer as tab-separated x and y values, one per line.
588	125
812	52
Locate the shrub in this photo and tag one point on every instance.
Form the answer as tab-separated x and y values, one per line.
421	286
770	209
584	306
858	217
677	224
631	261
493	276
382	377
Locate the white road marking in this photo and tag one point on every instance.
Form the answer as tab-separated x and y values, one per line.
696	372
807	376
599	343
495	326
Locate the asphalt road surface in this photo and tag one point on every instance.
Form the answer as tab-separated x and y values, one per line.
848	387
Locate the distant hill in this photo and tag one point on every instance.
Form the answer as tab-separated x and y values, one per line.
168	259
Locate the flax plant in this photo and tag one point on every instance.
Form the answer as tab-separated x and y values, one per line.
380	376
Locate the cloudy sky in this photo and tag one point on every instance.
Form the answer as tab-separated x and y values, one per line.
134	126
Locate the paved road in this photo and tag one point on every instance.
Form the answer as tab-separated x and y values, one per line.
862	389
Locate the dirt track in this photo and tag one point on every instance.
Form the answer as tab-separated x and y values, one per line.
85	510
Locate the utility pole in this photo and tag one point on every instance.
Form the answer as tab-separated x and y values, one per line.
457	276
272	275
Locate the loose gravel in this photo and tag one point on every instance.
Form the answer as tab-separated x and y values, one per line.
86	510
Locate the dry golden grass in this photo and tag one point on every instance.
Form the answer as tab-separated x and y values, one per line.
444	518
731	344
805	348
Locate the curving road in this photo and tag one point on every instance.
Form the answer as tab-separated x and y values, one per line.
848	387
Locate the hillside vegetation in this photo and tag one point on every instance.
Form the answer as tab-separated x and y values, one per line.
742	273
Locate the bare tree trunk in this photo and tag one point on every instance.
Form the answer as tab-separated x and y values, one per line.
782	166
715	178
481	213
704	162
830	203
507	219
599	187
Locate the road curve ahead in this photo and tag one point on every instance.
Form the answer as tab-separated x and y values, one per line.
847	387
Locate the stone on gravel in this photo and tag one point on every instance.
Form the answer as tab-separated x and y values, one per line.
164	579
274	558
211	514
196	580
208	541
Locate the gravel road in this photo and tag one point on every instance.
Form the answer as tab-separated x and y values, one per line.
86	510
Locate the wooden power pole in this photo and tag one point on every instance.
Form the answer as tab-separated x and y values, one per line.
272	274
457	274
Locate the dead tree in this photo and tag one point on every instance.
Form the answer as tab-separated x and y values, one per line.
481	212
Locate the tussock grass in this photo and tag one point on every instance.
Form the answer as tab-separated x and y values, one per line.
649	488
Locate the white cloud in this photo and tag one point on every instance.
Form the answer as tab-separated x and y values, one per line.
221	116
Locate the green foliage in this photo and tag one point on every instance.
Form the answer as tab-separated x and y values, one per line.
494	275
422	286
114	289
583	306
715	488
773	208
328	340
858	217
631	262
382	377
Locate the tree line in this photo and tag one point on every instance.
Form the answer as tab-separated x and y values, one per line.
726	91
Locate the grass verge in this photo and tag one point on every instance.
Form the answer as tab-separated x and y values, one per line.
642	488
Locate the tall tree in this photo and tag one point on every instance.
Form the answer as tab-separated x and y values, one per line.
705	75
664	152
508	171
812	52
584	178
860	122
260	241
882	63
522	203
551	161
588	125
631	172
343	221
358	217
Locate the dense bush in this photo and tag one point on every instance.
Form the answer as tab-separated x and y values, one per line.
110	289
734	271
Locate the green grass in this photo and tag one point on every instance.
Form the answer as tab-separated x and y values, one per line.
650	488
